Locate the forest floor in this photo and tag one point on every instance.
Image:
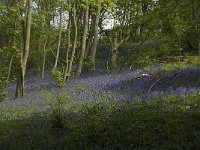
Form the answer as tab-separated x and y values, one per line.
131	109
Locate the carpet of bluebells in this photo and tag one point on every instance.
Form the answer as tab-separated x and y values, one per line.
111	85
100	95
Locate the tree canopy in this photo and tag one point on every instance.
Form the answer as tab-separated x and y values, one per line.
74	33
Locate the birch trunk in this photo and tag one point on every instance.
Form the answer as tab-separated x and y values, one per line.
83	44
24	53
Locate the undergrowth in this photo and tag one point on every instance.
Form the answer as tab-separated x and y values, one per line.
171	122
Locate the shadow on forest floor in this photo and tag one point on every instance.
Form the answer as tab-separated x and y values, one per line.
170	123
183	81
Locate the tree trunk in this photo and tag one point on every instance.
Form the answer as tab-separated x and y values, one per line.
115	44
12	53
38	58
24	53
65	74
114	59
75	40
10	66
88	45
59	41
95	41
90	37
83	44
44	59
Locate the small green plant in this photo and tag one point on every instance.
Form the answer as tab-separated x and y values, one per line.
57	112
82	87
58	76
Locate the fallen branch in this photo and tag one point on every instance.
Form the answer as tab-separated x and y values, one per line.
162	77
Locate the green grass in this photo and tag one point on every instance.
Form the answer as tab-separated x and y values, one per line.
171	122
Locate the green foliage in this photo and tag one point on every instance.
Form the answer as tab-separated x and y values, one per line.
188	61
3	89
180	26
163	122
146	63
82	87
57	75
3	83
87	64
57	112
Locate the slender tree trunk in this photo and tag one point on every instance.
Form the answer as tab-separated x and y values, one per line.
25	53
75	40
83	44
69	63
90	38
12	53
59	41
44	59
19	85
10	66
88	44
38	58
65	75
95	41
